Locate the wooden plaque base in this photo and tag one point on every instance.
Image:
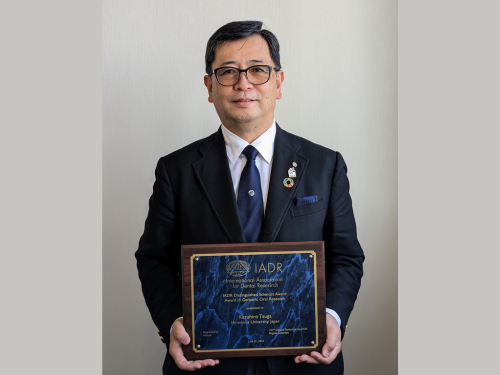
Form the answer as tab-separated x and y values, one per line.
258	299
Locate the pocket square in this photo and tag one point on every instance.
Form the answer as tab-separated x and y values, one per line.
306	200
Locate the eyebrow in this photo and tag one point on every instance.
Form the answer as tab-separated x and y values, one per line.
234	62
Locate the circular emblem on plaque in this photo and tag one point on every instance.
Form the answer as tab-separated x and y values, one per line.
237	268
288	182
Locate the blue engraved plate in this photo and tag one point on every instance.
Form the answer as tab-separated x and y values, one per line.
254	300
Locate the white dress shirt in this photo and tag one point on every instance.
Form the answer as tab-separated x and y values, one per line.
264	144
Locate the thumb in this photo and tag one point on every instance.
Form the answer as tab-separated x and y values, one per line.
331	339
328	347
180	334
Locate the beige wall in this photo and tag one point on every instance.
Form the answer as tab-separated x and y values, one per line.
340	90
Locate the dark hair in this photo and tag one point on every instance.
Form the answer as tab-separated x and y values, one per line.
241	30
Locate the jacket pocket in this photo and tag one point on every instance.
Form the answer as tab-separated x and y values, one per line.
307	209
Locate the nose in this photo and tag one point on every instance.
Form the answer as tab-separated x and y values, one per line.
243	84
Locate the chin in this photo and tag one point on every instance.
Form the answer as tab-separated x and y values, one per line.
244	119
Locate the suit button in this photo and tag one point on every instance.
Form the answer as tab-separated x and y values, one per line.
251	193
162	340
159	334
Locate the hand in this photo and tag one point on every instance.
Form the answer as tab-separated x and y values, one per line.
331	348
178	337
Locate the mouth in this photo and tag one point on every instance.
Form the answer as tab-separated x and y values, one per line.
243	101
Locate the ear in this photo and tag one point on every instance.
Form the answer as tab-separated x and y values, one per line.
280	77
208	83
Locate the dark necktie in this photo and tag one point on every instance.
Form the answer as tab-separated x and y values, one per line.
250	200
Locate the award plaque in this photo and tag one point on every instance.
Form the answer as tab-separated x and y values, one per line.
258	299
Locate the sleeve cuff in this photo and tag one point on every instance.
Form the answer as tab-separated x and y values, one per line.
332	313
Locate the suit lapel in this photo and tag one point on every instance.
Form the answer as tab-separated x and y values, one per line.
214	175
279	197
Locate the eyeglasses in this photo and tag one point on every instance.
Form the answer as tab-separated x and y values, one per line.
256	75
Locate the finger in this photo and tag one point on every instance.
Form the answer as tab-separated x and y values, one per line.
304	358
319	357
196	365
328	359
209	362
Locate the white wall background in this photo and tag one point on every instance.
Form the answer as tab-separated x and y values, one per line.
340	90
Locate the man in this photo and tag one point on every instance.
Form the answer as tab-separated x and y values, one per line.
201	196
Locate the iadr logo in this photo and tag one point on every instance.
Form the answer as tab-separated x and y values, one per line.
237	268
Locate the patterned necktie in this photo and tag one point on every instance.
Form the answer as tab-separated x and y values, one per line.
250	200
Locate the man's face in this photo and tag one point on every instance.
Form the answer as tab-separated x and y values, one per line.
244	106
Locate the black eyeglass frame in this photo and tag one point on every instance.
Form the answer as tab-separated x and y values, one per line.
246	74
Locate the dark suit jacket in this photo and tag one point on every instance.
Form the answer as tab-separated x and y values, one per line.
193	202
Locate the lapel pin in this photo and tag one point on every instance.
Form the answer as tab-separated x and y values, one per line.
291	172
294	164
288	182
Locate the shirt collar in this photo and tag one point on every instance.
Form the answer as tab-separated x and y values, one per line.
264	144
